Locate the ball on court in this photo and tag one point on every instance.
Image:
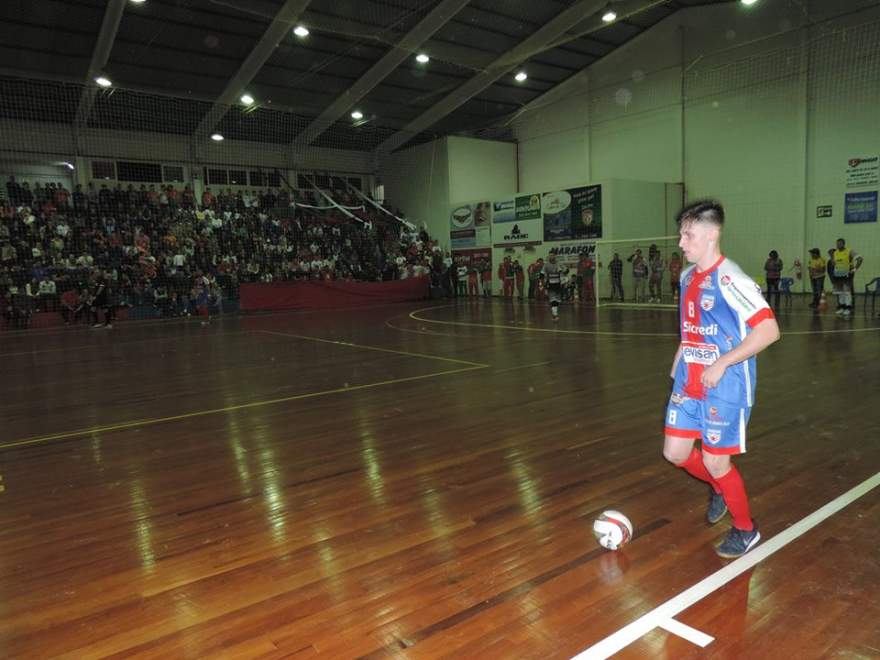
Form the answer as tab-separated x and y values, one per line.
612	530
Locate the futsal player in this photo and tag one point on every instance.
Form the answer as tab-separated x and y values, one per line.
97	298
725	322
553	274
201	297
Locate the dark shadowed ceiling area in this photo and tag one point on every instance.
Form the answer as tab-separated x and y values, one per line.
180	66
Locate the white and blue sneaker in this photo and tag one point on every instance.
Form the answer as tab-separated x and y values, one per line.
738	542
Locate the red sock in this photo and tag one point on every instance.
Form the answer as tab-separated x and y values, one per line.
694	466
734	491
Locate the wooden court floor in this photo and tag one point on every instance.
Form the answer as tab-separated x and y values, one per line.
403	482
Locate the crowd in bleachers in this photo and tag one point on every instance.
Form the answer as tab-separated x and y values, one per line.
159	246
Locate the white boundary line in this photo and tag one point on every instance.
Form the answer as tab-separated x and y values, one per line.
414	315
671	608
692	635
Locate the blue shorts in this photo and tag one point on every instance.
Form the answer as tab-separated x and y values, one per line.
719	425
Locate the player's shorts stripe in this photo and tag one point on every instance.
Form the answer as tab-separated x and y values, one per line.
709	449
682	433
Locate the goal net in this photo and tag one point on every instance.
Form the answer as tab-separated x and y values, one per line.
638	272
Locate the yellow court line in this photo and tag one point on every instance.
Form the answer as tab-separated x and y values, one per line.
114	344
374	348
413	316
214	411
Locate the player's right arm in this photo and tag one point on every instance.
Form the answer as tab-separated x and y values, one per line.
675	362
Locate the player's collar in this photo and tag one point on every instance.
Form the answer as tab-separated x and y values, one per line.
710	269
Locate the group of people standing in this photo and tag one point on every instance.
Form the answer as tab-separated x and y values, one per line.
647	273
550	276
839	266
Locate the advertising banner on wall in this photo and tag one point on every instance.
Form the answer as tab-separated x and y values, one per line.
528	207
863	172
470	256
522	226
470	225
572	213
470	216
860	207
463	238
510	234
504	211
569	253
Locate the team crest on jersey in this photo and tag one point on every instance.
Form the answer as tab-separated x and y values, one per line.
713	436
707	302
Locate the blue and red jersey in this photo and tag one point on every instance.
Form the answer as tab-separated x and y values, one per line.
719	307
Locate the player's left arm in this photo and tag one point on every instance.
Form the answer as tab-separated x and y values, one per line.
761	336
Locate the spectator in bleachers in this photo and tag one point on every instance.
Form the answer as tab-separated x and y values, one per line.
48	294
13	192
208	199
79	200
25	196
71	306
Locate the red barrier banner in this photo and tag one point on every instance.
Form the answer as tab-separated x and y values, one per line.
286	296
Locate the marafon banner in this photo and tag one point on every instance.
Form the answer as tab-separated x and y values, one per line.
569	254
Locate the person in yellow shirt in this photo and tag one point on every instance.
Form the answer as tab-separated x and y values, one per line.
846	263
816	266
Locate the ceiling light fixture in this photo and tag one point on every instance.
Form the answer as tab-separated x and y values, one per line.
749	3
609	16
357	114
301	31
138	2
521	76
103	81
422	58
217	137
247	99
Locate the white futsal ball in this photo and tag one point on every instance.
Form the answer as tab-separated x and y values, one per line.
612	529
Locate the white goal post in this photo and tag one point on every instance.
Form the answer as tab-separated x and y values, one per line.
641	276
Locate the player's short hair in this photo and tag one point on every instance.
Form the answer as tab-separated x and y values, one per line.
704	210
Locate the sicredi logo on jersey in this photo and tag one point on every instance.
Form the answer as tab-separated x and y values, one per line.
702	330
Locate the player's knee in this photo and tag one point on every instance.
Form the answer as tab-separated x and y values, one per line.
676	452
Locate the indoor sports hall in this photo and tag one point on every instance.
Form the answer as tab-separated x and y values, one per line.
339	329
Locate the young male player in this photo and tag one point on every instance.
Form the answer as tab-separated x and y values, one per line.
725	322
